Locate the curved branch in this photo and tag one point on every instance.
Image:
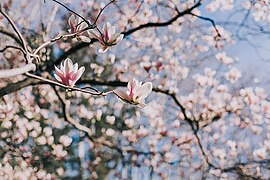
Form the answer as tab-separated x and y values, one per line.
22	40
10	34
208	19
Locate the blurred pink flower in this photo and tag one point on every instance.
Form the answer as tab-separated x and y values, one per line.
136	94
68	73
77	24
108	37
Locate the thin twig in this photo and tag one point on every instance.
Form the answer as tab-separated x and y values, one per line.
88	23
103	10
12	47
208	19
65	86
15	29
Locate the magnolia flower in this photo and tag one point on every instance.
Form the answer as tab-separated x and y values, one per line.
136	94
107	38
68	73
77	24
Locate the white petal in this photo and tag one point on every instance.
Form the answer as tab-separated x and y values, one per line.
71	83
121	94
85	39
68	65
58	78
133	85
116	38
79	73
82	26
119	38
93	34
62	67
71	19
58	71
71	22
110	30
75	67
144	90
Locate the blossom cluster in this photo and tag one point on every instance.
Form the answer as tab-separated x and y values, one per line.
105	38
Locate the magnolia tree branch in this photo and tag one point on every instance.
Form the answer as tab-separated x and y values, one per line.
65	106
48	81
87	22
118	83
38	80
23	41
12	47
207	19
7	73
11	35
165	23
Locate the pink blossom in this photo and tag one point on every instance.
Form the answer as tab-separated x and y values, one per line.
68	73
65	140
136	94
77	25
107	38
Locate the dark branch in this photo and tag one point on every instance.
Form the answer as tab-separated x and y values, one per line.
161	24
207	19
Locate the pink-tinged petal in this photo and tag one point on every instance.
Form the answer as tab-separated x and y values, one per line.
143	91
71	22
119	38
58	78
71	83
122	95
79	73
93	34
132	86
58	71
75	67
110	31
85	39
62	67
68	66
98	44
114	40
105	32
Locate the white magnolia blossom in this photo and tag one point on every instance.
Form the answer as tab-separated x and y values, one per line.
136	94
108	37
77	25
68	73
